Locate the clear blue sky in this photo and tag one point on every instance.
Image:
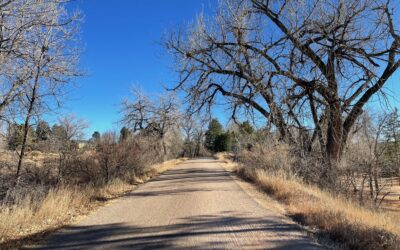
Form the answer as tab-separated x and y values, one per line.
122	48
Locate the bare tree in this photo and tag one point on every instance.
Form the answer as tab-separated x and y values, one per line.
108	154
137	114
151	117
74	127
194	132
18	19
368	170
51	58
303	65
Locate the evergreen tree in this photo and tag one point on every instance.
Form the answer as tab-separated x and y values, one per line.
16	136
223	142
214	130
96	136
43	131
124	134
246	128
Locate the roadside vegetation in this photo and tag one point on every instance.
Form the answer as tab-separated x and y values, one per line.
361	212
62	176
339	217
331	216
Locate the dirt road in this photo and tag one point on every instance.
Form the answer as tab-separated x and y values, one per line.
196	205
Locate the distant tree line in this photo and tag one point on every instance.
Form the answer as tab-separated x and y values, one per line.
42	136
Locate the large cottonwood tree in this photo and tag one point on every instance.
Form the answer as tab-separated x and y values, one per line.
305	65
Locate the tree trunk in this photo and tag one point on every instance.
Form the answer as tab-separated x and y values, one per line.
106	169
361	199
334	134
23	147
376	180
26	128
371	187
164	149
32	102
333	144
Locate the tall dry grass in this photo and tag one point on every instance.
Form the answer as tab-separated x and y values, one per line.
28	215
340	219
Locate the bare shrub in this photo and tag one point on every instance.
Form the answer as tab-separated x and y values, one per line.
269	156
107	155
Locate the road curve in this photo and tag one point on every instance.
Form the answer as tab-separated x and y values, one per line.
196	205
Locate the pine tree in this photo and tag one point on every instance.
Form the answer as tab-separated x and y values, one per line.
223	142
246	128
43	131
96	136
214	130
124	134
16	136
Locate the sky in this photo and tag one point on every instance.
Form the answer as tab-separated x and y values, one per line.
122	41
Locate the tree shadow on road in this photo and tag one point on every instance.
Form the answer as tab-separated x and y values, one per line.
197	232
190	174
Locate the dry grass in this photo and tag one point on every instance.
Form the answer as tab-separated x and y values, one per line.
28	216
339	219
